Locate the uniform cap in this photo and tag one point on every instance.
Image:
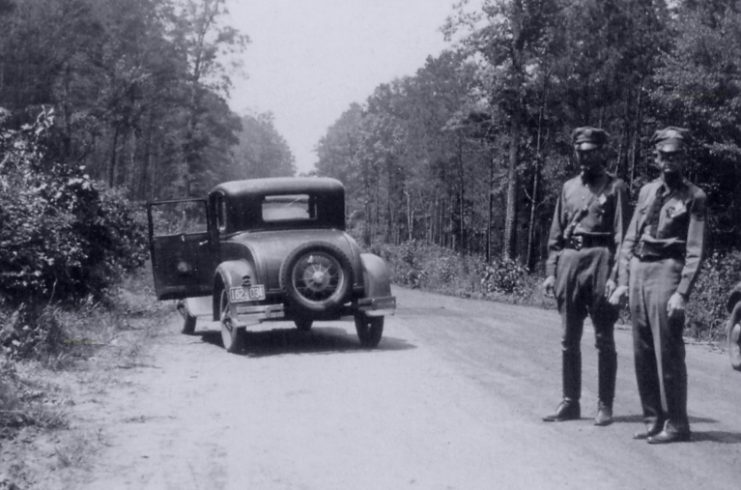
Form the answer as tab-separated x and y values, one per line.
670	139
588	138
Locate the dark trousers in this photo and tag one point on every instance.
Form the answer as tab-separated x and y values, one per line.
661	371
580	291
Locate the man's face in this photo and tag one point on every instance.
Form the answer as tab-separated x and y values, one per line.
670	162
589	161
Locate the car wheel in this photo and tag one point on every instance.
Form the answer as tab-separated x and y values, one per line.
734	337
231	336
303	324
369	328
316	277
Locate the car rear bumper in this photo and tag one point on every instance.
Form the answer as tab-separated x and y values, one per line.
381	306
251	314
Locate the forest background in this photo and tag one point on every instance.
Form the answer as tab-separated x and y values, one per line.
451	174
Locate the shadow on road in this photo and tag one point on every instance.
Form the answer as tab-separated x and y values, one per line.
637	418
717	436
292	341
628	419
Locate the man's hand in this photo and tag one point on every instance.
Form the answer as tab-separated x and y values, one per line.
548	284
675	305
617	296
609	288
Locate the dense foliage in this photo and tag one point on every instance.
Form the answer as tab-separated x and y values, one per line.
418	265
470	152
61	237
139	88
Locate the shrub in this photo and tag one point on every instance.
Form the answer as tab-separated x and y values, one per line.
706	310
62	240
60	237
505	276
418	265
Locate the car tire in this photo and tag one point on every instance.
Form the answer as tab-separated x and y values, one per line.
316	278
232	337
369	328
303	324
734	337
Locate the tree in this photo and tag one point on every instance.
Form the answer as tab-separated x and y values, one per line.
262	151
508	43
698	87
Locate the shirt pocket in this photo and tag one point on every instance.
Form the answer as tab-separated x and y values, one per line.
673	215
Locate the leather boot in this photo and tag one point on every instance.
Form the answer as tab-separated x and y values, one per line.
604	414
566	410
569	408
571	375
670	434
607	371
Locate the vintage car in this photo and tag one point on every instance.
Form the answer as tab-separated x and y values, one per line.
733	328
266	250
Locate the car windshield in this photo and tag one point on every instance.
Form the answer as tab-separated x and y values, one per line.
293	207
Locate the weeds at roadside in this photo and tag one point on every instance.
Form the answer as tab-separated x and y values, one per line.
83	342
418	265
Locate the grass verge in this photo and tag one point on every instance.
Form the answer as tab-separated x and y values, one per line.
66	350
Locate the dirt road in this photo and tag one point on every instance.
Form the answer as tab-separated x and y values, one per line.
451	399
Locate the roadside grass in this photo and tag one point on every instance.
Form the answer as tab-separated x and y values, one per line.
431	268
79	348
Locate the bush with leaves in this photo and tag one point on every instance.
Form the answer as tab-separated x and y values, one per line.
418	265
706	310
505	276
61	238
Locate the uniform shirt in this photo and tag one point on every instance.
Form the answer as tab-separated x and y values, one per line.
680	224
598	210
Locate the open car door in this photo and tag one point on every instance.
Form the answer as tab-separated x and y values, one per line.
182	248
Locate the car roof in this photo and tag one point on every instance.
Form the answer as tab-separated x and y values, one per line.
279	185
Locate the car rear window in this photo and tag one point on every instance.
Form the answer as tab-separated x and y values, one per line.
288	207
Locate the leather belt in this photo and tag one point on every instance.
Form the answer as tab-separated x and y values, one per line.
652	252
577	242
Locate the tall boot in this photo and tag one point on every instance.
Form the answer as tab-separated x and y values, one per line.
571	372
569	408
607	371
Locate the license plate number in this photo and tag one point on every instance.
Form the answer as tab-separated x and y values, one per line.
242	294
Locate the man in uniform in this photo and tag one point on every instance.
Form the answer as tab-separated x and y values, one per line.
587	229
659	262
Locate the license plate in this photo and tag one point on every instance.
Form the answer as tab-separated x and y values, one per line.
242	294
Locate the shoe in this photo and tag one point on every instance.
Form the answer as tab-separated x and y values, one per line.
566	410
651	430
604	414
665	437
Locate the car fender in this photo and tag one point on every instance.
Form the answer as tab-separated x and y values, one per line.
734	297
230	274
376	276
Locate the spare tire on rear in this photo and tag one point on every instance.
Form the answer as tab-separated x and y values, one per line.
316	277
733	336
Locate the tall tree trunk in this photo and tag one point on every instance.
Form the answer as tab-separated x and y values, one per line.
510	219
636	149
114	157
410	216
530	253
490	211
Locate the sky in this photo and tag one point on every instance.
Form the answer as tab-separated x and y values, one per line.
308	60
